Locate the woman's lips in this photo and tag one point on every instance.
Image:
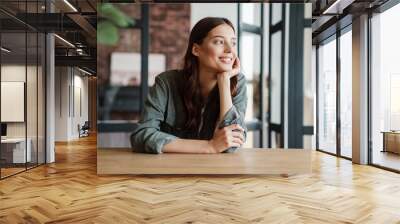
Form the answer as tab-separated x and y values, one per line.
226	60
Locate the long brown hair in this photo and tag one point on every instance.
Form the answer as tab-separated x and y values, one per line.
192	96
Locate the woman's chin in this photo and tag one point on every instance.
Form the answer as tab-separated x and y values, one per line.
225	68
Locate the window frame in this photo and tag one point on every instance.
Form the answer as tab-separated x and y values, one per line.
378	10
333	37
258	123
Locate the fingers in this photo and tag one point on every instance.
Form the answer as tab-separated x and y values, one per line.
230	136
236	67
238	135
235	127
237	140
236	62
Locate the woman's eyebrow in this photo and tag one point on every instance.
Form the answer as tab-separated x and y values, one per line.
233	38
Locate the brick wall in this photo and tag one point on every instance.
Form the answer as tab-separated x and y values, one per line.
169	34
169	31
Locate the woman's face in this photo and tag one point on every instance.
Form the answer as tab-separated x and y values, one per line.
217	52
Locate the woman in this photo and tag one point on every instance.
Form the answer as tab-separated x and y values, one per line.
201	108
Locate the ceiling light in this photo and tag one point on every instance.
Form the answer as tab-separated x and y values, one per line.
70	5
5	50
65	41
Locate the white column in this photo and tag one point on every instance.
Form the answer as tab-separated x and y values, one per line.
50	100
360	90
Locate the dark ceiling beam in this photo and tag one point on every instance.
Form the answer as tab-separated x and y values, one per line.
344	11
11	25
56	22
50	22
62	6
91	14
84	24
78	61
89	70
322	23
91	5
15	18
337	7
331	29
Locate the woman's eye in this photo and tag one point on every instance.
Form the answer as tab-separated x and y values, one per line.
233	43
219	41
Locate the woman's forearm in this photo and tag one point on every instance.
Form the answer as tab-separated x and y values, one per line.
188	146
225	98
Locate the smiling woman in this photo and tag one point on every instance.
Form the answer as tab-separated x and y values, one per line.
200	108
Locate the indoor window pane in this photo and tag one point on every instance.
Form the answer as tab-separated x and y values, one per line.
32	86
276	12
251	13
327	97
250	65
250	103
14	151
250	59
276	139
346	94
31	98
385	86
276	74
253	139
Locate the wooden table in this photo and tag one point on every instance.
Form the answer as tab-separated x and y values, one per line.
243	161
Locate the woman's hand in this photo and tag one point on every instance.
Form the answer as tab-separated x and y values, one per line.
235	70
235	67
225	138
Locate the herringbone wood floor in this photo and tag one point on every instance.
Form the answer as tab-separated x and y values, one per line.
69	191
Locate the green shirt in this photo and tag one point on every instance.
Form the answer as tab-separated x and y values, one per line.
164	114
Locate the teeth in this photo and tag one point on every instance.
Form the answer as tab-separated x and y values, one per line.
226	59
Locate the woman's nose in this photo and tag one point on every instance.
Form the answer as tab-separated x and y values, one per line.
228	47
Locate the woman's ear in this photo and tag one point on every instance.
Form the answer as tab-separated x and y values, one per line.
195	49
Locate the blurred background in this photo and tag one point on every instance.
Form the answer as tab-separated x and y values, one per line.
274	45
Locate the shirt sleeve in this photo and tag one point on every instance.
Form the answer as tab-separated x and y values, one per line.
147	137
236	113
